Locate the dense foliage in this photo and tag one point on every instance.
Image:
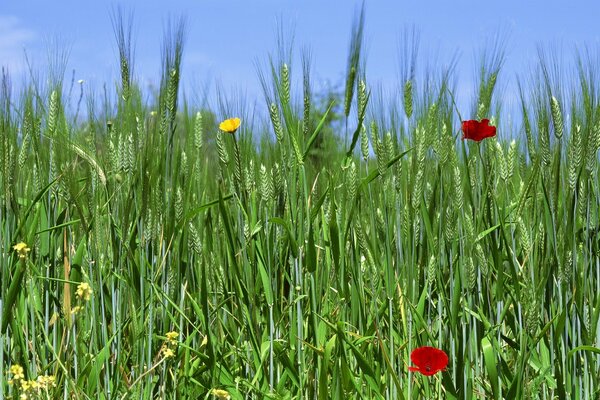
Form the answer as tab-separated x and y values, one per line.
307	259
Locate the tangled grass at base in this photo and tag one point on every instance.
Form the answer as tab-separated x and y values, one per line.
309	257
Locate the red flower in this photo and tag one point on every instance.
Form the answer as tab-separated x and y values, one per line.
428	360
478	131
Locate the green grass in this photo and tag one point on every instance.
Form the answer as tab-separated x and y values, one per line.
308	258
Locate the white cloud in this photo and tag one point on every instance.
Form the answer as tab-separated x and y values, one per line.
13	38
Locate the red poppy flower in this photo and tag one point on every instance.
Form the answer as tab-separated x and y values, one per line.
428	360
477	131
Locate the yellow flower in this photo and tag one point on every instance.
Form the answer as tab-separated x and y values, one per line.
230	125
46	381
22	249
221	394
167	352
75	310
29	385
17	372
84	291
172	337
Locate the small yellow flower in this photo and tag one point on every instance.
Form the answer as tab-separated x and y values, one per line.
22	249
221	394
172	337
46	381
17	372
84	291
75	310
29	385
167	352
230	125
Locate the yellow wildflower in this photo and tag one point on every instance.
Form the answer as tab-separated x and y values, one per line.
172	337
167	352
230	125
17	372
75	310
46	381
22	249
29	385
221	394
84	291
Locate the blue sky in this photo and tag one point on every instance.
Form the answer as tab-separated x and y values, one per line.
225	39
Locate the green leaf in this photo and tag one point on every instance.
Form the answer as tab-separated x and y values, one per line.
375	173
13	291
97	364
311	251
290	235
314	135
37	198
485	233
264	276
584	348
489	357
356	133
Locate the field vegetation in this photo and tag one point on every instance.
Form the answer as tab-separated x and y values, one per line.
146	253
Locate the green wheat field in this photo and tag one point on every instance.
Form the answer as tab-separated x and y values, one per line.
145	253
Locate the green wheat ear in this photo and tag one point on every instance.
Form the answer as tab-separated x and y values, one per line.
285	85
266	187
582	199
221	150
276	122
408	98
592	146
575	156
356	43
352	182
364	142
363	99
250	177
382	155
53	113
481	259
198	132
332	270
512	158
350	79
123	34
471	273
297	152
502	162
24	151
524	238
431	270
557	119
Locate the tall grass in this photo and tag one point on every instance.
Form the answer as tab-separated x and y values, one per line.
298	269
